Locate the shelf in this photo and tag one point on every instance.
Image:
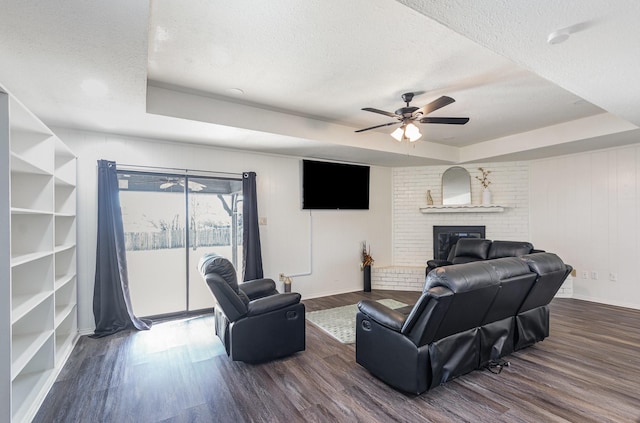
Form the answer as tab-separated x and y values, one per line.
65	302
21	165
63	154
65	199
31	285
26	390
62	312
34	149
62	182
18	210
64	214
31	191
23	120
31	234
22	304
64	344
63	248
66	335
24	347
20	259
65	267
65	169
65	231
63	280
469	208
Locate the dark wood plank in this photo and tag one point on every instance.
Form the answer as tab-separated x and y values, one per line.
588	370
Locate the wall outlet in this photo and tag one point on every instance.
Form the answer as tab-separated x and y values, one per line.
594	275
613	277
585	274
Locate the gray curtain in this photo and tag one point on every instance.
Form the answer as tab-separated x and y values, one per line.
112	309
252	256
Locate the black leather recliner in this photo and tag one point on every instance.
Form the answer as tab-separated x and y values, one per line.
468	315
253	320
532	319
467	250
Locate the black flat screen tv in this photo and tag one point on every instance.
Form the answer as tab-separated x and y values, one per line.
334	186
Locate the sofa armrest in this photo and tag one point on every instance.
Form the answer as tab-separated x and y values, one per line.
272	302
437	263
382	314
258	288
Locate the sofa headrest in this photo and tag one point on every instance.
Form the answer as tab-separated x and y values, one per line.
501	249
462	277
214	263
544	263
509	267
473	247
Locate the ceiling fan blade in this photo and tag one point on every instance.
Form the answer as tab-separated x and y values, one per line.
435	105
382	112
378	126
447	120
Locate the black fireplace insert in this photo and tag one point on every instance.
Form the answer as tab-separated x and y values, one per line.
444	237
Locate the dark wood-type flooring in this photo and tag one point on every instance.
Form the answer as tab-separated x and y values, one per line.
588	370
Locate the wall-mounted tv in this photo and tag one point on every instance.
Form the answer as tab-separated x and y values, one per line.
334	186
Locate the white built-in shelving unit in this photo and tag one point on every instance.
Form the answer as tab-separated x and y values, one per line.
37	258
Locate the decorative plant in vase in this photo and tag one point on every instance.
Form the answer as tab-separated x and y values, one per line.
365	265
485	182
367	260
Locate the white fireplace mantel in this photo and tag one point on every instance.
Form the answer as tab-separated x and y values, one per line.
467	208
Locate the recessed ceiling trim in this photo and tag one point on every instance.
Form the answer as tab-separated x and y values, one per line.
165	102
555	135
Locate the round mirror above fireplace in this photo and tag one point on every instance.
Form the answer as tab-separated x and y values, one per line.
456	186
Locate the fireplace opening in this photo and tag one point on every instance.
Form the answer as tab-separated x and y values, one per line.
445	237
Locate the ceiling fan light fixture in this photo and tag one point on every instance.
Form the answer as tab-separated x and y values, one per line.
408	131
412	132
398	134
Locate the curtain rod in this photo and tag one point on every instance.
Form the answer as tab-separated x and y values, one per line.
132	167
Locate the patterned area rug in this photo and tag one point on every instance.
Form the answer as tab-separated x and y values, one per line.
340	322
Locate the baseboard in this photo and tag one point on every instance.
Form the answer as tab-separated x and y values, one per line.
84	332
608	302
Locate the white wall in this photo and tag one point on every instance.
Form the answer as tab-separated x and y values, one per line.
413	230
586	208
337	235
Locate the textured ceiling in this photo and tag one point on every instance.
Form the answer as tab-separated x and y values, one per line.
172	70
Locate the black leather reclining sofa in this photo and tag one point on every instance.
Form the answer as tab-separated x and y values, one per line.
467	316
467	250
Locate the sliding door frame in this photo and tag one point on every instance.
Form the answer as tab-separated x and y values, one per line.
185	175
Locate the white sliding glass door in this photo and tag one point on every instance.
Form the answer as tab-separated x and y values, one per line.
170	222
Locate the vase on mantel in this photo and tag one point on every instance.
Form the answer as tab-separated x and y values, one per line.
486	197
429	198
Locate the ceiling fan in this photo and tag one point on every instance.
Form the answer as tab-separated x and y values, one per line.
193	185
406	116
